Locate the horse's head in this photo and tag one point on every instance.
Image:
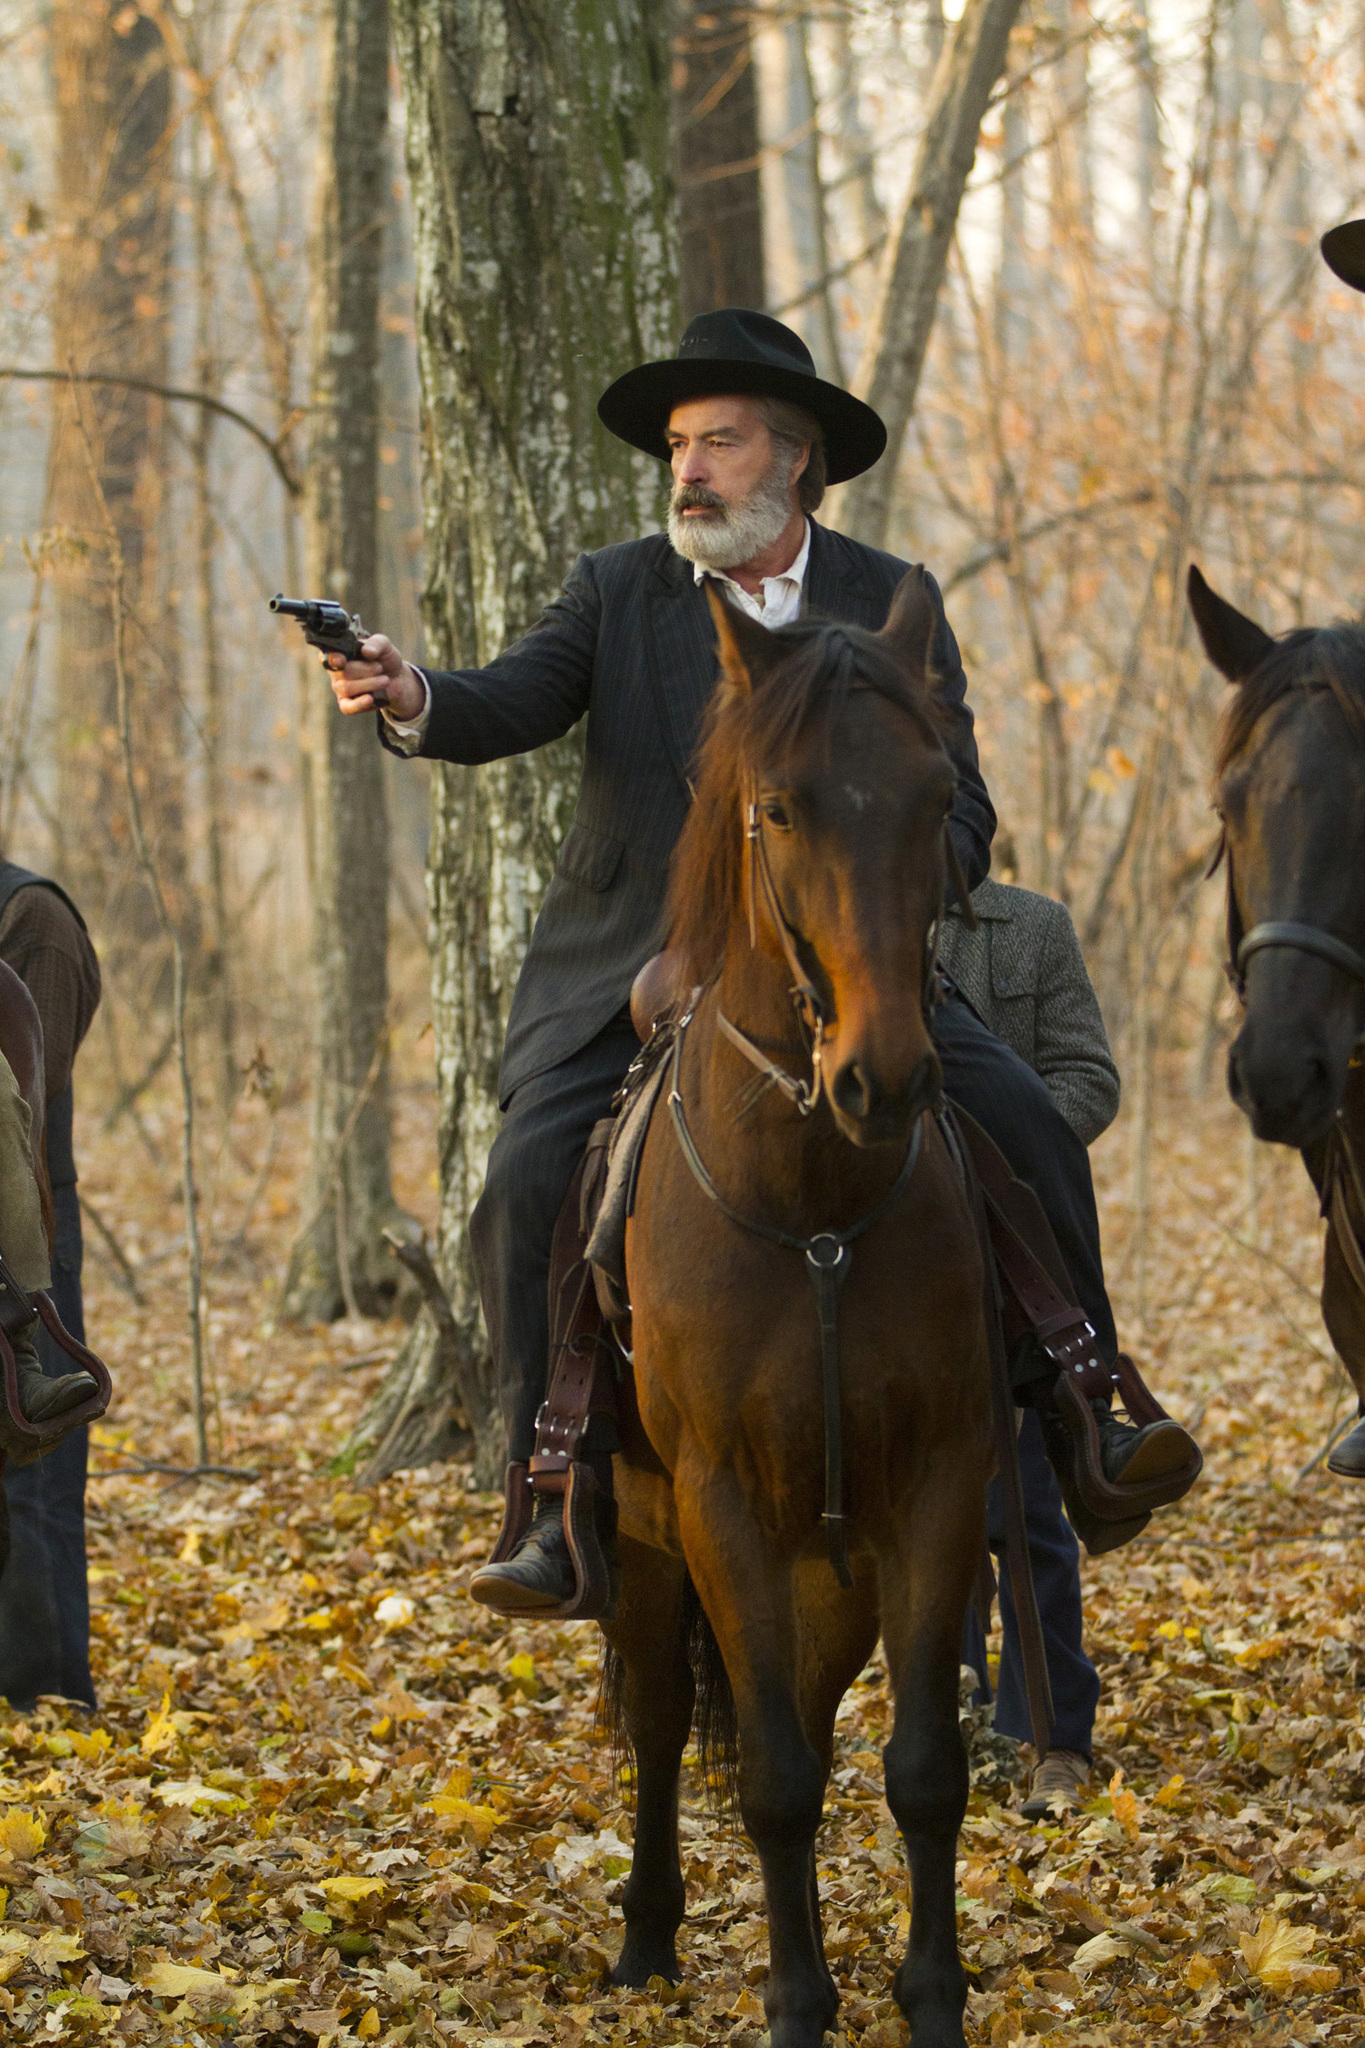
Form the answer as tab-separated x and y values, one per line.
818	838
1290	789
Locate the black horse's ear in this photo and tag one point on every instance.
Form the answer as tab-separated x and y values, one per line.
911	621
748	651
1234	643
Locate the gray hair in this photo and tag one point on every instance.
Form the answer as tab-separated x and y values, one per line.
792	429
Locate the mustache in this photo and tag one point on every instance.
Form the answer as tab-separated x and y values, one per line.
696	498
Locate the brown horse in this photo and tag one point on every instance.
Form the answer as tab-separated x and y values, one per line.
816	854
1290	788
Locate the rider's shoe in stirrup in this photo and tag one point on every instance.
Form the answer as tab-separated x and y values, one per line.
1347	1457
1130	1456
42	1401
539	1573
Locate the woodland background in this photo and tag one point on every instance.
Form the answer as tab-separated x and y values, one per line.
320	298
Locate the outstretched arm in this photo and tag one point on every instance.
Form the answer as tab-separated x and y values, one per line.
530	694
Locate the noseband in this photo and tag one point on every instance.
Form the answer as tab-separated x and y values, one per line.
1278	933
806	998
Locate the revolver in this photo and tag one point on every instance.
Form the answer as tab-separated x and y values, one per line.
329	626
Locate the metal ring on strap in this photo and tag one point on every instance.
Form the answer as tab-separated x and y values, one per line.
1301	938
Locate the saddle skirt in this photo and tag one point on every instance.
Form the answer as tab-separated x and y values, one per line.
611	1174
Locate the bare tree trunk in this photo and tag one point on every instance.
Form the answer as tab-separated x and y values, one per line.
796	195
111	312
341	1262
716	114
1012	277
1150	166
917	255
543	196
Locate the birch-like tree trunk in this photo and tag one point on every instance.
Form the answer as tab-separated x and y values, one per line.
341	1261
539	147
109	452
917	254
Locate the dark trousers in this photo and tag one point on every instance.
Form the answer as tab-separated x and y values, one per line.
1055	1557
44	1604
546	1129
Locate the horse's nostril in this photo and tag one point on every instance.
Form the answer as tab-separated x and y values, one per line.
853	1092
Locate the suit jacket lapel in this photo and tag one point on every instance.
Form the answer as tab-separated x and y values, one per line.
681	651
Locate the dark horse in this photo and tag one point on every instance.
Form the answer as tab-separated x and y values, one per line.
816	853
1290	788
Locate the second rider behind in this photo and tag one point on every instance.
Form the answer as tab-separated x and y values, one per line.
752	436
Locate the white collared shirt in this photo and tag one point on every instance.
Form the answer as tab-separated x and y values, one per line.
778	605
779	602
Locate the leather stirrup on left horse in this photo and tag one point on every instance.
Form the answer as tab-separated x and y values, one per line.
22	1440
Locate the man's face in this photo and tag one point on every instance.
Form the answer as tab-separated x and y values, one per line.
734	488
721	445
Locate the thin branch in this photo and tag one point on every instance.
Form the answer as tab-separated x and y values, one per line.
122	1262
205	399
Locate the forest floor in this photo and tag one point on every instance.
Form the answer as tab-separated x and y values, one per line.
326	1798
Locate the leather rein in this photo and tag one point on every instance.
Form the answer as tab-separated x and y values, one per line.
827	1253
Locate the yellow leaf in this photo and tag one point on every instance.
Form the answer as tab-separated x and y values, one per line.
522	1672
1274	1951
53	1949
1095	1953
4	1900
349	1887
193	1792
1170	1791
1124	1804
1120	764
383	1726
189	1549
160	1732
21	1834
478	1821
458	1783
1200	1973
179	1980
320	1619
369	2026
1316	1977
89	1748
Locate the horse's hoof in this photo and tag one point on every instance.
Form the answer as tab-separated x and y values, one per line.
640	1961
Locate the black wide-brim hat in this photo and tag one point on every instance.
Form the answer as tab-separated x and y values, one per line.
757	357
1343	250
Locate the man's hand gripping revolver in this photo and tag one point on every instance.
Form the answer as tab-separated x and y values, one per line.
366	669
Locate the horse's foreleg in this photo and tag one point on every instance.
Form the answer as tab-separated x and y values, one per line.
746	1589
925	1584
649	1636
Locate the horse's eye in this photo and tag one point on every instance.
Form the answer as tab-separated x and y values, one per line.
776	814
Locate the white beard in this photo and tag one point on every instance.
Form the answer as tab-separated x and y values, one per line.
724	539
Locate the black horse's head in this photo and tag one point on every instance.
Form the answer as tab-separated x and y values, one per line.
1290	788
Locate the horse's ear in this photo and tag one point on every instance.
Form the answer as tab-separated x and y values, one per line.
1234	643
911	621
747	650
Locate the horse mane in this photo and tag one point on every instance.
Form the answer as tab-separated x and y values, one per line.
1309	658
742	731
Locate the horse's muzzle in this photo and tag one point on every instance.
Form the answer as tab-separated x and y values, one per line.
1287	1087
869	1114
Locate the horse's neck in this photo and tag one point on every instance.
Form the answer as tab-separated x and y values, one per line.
799	1171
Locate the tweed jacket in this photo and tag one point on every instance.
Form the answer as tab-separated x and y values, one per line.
1023	973
629	641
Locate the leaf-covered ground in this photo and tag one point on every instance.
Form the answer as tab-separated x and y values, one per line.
325	1798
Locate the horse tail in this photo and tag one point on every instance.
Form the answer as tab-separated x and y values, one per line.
714	1728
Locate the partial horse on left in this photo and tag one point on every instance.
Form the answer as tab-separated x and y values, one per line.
21	1047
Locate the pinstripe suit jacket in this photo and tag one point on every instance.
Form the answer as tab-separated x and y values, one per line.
629	642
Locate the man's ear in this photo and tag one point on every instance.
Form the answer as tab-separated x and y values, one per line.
910	622
748	652
1234	643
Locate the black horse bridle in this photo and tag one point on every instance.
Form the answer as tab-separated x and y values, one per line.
1278	933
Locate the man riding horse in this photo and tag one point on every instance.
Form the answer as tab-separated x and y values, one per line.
752	436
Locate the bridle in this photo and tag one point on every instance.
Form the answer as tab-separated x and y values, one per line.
811	1008
1277	933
